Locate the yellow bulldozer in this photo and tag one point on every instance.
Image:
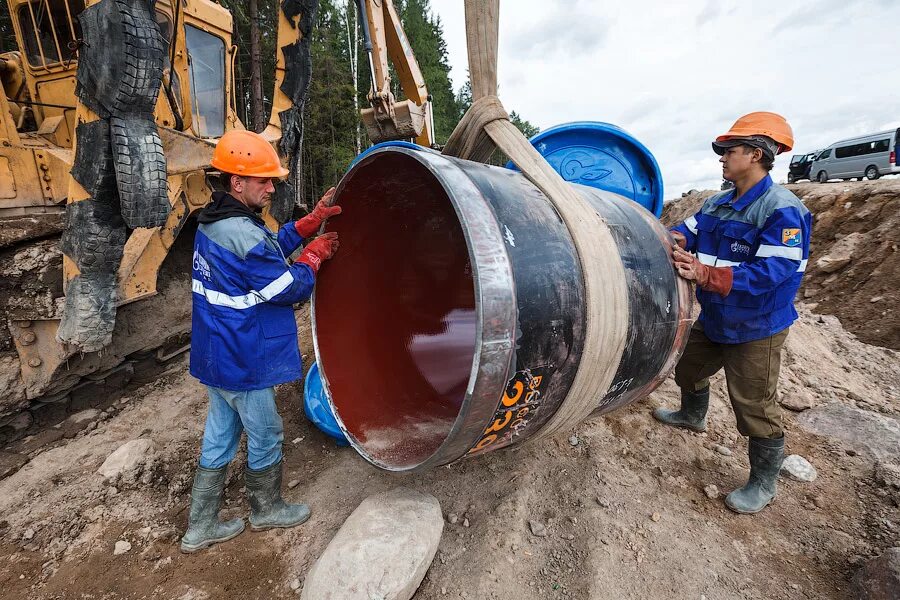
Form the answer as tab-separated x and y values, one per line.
110	112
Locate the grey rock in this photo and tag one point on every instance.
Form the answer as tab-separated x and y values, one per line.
830	264
879	578
573	441
724	451
537	529
797	399
799	468
121	547
840	254
128	458
293	483
382	550
453	518
863	430
711	491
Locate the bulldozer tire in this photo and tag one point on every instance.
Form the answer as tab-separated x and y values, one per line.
142	60
120	64
140	168
94	237
89	315
93	168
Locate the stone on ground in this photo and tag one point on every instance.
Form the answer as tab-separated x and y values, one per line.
382	550
799	468
128	459
862	429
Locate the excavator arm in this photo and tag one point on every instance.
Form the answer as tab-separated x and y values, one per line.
389	119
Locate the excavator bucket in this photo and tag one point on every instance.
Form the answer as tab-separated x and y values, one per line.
406	122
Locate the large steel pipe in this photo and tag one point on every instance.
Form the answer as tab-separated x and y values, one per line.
451	321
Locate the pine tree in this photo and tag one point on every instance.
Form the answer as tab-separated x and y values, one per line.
426	37
331	117
7	35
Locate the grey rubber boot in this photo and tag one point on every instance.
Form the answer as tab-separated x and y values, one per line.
267	508
691	415
766	457
204	527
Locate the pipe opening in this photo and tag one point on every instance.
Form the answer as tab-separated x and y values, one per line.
395	313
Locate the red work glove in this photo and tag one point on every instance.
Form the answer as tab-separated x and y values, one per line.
321	248
678	237
309	225
710	279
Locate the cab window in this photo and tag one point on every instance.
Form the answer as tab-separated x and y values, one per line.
49	31
206	54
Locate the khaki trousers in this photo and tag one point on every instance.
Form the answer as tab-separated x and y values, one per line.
751	373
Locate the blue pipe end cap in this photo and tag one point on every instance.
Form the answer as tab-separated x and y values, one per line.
603	156
317	408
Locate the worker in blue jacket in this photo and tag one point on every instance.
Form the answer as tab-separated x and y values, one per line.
746	250
244	336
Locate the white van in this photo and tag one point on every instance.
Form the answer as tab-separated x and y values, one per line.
870	155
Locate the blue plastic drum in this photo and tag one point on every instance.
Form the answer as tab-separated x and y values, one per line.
317	409
603	156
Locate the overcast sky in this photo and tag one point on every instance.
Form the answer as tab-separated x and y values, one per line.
676	74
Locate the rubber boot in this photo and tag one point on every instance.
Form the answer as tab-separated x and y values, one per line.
267	508
204	527
766	457
691	415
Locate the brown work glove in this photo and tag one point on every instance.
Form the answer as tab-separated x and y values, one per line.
678	237
710	279
309	225
321	248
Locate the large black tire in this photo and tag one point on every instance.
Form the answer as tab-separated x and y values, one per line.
89	315
142	59
140	167
94	237
791	178
93	167
120	65
822	177
872	172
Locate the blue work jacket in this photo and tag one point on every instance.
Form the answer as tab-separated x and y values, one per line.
764	237
244	336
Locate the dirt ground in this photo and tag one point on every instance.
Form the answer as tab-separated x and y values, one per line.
625	510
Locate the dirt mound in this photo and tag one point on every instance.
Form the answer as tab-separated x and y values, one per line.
619	507
616	508
854	266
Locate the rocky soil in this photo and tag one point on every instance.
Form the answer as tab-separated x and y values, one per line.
619	507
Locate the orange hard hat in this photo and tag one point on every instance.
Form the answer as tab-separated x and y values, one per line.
242	152
769	124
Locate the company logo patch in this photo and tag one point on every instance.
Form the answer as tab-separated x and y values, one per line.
201	266
739	248
791	237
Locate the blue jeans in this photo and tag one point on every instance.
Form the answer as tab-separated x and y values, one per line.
232	412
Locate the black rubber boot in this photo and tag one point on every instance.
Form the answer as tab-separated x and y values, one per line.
691	415
267	508
204	527
766	457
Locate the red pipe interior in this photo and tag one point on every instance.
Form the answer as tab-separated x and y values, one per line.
395	311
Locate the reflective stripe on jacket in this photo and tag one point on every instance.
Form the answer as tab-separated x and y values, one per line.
764	236
244	336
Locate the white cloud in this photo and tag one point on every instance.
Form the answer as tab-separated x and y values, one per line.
675	75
